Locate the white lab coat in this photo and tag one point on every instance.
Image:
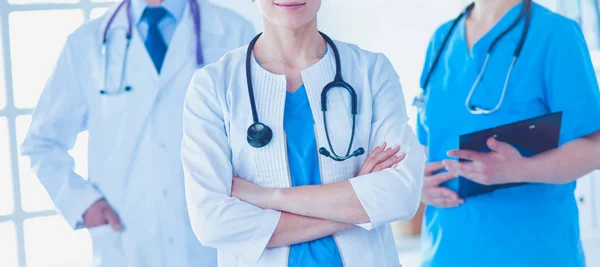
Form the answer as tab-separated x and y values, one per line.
134	137
214	148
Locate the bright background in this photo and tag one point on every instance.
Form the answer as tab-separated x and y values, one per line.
32	33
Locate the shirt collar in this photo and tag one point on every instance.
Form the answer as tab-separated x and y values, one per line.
175	9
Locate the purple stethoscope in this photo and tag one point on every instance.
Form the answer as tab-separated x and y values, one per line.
195	10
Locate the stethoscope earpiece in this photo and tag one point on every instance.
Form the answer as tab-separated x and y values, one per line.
126	89
259	135
359	152
323	151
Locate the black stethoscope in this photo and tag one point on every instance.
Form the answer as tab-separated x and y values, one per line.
525	12
195	10
259	134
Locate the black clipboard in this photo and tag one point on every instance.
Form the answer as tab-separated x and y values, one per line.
531	137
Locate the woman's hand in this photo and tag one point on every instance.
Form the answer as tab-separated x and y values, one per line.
381	158
435	195
504	164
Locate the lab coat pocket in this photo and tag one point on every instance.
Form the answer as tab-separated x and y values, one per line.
107	249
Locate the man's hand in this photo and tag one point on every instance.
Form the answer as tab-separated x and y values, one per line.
100	213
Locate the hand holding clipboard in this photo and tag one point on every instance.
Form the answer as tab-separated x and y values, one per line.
530	137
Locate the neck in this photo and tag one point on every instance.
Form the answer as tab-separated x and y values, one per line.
287	48
492	10
154	2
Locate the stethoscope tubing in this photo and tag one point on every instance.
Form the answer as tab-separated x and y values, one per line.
259	131
195	12
526	12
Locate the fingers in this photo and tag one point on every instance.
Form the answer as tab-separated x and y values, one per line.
375	151
436	180
94	215
366	167
460	168
113	219
390	162
500	147
445	203
94	220
378	156
441	197
386	154
431	168
467	154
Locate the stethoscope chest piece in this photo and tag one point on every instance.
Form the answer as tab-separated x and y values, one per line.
259	135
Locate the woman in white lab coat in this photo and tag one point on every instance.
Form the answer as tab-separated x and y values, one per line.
135	178
276	214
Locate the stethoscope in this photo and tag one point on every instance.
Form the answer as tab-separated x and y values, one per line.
195	10
525	12
259	134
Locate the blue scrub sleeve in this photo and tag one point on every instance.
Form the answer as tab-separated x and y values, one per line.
571	81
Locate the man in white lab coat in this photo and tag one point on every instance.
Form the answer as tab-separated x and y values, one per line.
133	202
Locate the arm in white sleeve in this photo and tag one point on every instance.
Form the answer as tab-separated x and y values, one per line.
392	194
60	115
218	220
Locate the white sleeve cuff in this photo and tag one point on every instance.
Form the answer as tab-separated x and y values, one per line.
364	192
73	206
264	235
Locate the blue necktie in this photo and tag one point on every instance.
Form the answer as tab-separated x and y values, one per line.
155	44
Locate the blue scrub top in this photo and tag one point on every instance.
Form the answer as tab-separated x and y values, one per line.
304	168
532	225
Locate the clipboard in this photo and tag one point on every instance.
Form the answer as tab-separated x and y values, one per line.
530	137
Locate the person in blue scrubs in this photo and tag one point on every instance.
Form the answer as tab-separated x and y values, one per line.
530	225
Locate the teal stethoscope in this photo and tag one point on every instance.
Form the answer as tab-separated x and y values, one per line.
259	134
525	12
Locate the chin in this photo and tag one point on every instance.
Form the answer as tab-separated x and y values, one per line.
290	13
292	22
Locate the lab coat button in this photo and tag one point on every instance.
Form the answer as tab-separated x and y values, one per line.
170	240
165	193
162	145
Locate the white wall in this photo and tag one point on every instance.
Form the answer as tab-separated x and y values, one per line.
399	28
